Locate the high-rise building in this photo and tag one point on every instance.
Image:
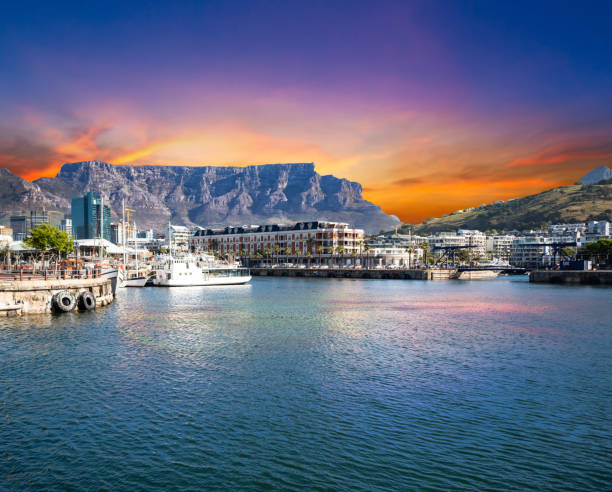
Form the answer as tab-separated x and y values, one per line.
38	217
66	226
90	219
21	226
56	218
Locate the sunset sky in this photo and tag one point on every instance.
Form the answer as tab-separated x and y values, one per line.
431	106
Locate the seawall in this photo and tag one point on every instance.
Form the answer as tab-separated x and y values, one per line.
425	274
575	277
34	296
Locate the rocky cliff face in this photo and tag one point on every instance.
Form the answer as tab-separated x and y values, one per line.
206	196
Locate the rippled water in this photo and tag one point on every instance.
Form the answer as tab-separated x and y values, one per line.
316	384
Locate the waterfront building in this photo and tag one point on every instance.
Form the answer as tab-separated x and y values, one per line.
178	237
476	240
5	238
38	217
315	238
88	216
392	251
20	225
148	234
533	251
597	229
6	231
66	226
528	251
565	229
498	246
116	233
55	218
446	239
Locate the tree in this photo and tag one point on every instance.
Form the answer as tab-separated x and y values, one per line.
426	249
366	250
47	238
409	250
309	244
277	250
267	252
598	250
568	252
320	250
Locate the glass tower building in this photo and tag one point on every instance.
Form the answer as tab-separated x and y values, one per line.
88	216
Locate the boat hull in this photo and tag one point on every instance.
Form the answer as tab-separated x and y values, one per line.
136	282
241	280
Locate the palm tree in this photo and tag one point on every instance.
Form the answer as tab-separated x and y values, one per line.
426	249
309	244
341	251
409	250
287	253
320	250
366	250
309	256
267	252
277	250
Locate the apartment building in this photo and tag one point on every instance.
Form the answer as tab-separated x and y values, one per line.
317	238
499	246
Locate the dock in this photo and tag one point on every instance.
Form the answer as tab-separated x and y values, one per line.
34	296
399	274
572	277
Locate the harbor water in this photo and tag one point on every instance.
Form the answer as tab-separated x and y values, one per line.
313	384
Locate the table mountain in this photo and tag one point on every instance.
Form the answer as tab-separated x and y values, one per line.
204	195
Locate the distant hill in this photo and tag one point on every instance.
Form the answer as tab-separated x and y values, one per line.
202	195
566	204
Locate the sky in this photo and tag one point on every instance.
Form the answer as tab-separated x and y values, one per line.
432	106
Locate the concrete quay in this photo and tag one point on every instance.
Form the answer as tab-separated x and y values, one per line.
572	277
424	274
19	297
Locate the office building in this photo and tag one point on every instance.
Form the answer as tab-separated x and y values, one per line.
90	218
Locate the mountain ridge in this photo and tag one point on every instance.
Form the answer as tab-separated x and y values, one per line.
564	204
204	195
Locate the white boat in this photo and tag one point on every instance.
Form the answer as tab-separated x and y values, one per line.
193	271
115	276
135	278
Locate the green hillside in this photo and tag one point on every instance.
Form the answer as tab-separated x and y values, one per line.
566	204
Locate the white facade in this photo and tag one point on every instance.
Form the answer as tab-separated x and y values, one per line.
499	246
178	237
317	237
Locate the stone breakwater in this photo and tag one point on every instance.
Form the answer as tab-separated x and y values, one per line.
19	297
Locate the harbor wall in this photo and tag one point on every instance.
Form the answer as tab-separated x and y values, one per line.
424	274
574	277
34	296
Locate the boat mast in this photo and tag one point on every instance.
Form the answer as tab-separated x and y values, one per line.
101	229
169	238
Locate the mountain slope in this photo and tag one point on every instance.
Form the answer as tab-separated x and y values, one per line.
214	196
566	204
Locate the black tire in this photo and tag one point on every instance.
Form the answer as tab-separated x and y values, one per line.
87	301
64	301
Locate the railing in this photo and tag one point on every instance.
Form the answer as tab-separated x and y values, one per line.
47	274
